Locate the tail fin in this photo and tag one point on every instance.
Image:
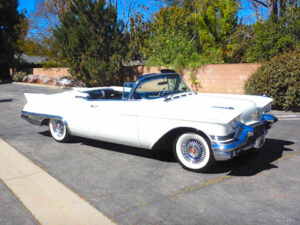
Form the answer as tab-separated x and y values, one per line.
34	97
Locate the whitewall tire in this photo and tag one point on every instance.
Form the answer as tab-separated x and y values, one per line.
193	152
58	130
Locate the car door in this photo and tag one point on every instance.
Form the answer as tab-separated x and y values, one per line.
78	117
114	121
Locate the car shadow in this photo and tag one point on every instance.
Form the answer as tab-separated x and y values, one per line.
159	154
6	100
45	133
247	164
250	163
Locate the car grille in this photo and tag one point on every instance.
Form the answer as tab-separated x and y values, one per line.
259	130
250	140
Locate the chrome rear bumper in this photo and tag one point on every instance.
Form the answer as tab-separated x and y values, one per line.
38	118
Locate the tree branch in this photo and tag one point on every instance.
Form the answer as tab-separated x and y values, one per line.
261	3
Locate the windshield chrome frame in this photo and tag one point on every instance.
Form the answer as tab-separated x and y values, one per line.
149	76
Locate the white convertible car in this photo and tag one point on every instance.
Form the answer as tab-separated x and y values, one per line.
157	109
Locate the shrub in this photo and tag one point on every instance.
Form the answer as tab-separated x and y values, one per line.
275	35
18	77
278	78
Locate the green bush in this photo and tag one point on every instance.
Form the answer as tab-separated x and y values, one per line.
278	78
18	77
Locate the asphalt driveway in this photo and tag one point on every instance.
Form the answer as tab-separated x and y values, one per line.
133	186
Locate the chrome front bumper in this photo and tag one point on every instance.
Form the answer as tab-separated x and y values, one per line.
248	137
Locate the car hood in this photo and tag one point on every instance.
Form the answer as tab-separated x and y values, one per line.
247	105
216	108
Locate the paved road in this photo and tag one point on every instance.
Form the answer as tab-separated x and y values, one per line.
132	186
11	210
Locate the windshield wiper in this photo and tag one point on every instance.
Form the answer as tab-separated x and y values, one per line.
169	96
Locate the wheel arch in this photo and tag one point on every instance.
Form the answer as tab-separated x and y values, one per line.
45	122
47	119
166	141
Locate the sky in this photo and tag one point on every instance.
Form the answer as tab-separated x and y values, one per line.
246	13
29	5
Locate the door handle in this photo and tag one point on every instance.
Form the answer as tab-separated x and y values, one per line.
94	106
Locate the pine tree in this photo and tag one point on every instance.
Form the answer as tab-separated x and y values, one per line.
90	40
9	19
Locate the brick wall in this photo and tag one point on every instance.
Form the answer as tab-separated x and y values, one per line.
223	78
51	72
212	78
216	78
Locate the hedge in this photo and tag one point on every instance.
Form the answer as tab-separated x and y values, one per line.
278	78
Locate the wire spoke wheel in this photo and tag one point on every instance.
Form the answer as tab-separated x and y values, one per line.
193	152
58	130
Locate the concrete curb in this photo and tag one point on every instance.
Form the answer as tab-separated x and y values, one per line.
48	200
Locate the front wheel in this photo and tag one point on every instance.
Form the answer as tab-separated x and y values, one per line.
193	153
58	130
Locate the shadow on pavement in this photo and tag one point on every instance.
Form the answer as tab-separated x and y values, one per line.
251	163
45	133
162	155
246	164
6	100
5	82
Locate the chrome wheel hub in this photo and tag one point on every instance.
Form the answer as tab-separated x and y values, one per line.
193	150
58	128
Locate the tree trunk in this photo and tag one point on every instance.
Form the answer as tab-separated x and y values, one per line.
4	73
273	7
282	6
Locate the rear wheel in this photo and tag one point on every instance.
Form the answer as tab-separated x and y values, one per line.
193	153
58	130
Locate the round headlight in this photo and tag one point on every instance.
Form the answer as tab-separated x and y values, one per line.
237	120
268	108
235	123
255	116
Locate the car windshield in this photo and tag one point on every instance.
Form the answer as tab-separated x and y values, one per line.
160	86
